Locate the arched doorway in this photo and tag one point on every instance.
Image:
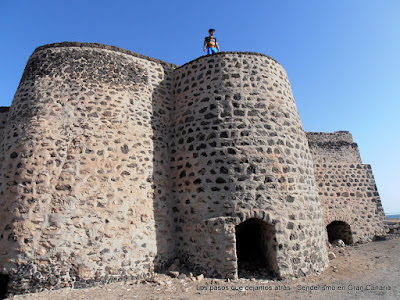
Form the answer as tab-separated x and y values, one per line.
338	230
256	249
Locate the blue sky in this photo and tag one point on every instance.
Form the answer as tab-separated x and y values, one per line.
342	57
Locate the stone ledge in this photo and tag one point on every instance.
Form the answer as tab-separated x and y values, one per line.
343	165
118	49
101	46
332	144
228	52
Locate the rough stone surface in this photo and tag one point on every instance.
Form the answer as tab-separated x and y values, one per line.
331	255
85	189
239	152
114	164
394	226
347	187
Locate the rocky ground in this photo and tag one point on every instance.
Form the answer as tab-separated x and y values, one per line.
366	271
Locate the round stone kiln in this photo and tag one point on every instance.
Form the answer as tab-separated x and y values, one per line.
85	192
239	155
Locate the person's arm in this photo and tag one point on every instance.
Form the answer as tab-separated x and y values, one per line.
204	45
216	45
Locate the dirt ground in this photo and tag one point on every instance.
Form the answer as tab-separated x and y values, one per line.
366	271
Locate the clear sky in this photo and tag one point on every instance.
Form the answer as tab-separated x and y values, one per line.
342	56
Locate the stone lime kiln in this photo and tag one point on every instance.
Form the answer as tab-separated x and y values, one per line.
113	164
243	177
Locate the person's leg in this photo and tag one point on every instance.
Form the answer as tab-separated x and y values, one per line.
211	50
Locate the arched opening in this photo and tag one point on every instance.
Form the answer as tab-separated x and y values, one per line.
4	280
256	249
338	230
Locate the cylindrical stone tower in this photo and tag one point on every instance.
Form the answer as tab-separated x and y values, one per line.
243	178
85	166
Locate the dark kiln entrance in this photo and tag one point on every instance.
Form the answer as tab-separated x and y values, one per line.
338	230
256	249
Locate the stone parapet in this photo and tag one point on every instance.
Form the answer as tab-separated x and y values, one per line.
329	137
104	47
337	147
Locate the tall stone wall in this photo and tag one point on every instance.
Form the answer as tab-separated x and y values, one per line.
85	179
346	186
239	152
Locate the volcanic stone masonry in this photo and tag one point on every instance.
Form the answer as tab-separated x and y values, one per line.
347	189
113	164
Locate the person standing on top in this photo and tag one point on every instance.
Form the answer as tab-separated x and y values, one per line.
210	43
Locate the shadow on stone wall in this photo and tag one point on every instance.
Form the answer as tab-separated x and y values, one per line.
162	101
4	279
